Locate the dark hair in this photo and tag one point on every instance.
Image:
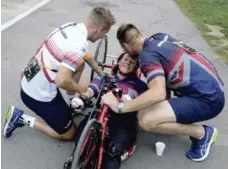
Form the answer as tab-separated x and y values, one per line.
116	67
123	32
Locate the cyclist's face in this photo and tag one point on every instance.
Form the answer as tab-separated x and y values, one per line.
127	64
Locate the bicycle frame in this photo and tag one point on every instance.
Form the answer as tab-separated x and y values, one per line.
102	119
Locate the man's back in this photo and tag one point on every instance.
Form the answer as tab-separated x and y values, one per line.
187	73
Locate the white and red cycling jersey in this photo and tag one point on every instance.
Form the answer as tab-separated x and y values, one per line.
64	46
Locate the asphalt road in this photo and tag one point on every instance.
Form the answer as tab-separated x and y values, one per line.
29	149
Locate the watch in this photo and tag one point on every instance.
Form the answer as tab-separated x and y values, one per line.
120	107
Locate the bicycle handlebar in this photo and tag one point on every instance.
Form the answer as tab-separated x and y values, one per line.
108	84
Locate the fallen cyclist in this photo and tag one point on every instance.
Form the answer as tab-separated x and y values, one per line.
122	128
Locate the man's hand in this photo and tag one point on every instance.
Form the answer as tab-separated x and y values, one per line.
110	100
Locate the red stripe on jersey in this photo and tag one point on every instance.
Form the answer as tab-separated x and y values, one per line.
54	51
176	56
204	62
73	58
152	67
45	70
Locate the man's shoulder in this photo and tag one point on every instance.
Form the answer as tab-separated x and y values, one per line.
164	37
149	53
77	38
78	32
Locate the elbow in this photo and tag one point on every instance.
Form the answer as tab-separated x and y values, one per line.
60	82
87	56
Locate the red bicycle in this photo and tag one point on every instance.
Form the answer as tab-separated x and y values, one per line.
89	149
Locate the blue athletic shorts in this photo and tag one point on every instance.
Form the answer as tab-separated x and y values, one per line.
56	113
190	110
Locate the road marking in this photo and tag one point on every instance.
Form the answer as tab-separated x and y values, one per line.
23	15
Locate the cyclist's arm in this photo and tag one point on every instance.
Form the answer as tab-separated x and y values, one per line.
94	87
92	63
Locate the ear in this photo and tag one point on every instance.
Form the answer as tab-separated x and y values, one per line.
104	29
125	45
100	29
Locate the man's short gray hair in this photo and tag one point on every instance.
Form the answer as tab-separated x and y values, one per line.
101	17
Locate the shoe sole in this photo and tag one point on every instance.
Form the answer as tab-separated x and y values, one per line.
8	118
212	141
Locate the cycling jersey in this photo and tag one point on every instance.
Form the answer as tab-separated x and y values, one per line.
130	85
64	46
187	72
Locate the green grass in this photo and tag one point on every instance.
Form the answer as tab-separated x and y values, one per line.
203	12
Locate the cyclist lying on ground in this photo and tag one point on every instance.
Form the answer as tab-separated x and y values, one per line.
122	128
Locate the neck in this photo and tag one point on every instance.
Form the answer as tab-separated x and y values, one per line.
140	43
90	29
120	75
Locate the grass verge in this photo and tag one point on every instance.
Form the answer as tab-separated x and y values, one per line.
211	18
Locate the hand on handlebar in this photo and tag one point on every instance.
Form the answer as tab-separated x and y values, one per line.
77	103
81	102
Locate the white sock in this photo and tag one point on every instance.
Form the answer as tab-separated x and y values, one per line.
29	120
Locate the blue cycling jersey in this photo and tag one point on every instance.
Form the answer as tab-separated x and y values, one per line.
187	73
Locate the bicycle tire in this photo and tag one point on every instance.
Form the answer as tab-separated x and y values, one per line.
105	39
83	137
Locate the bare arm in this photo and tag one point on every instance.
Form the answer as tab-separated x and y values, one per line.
92	63
156	93
89	93
65	81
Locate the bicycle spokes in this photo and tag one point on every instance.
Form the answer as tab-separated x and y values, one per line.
89	151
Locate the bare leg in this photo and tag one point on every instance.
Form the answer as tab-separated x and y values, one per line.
46	129
160	118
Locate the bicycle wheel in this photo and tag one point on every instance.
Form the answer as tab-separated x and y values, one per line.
86	153
100	53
